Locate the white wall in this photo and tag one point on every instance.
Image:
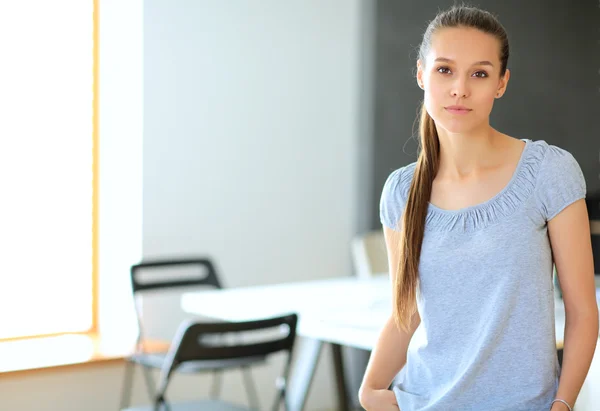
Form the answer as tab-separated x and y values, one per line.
250	135
251	119
251	141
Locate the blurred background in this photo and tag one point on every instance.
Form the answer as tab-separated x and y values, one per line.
258	132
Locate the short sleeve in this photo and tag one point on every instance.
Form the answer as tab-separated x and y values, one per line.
560	182
391	202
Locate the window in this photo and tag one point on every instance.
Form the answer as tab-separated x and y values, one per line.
47	167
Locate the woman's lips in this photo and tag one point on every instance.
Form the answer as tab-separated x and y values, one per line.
458	110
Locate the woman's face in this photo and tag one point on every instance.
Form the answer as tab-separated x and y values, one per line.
461	69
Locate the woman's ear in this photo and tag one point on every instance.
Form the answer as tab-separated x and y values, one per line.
420	75
503	84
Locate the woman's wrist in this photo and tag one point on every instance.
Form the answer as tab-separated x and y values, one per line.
559	405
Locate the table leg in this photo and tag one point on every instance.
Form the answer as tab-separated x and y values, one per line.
340	378
302	372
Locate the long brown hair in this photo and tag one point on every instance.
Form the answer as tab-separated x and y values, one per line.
415	213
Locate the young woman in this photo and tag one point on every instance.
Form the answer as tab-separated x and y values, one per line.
472	229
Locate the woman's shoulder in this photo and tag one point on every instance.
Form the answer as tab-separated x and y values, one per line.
398	181
394	194
552	153
549	151
559	180
552	161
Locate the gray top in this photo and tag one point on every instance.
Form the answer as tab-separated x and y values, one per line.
486	297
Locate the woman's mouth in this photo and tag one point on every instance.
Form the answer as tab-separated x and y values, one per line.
458	109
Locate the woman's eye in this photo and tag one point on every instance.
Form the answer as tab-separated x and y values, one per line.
446	70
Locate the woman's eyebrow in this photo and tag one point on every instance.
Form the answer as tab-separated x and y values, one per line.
477	63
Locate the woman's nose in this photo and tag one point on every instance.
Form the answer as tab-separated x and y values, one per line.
459	89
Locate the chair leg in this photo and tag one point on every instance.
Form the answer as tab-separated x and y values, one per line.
250	388
127	384
215	389
278	401
150	386
162	405
280	395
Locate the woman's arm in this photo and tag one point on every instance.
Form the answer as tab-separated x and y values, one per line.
389	354
387	359
571	246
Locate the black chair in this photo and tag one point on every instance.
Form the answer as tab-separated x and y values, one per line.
191	345
148	358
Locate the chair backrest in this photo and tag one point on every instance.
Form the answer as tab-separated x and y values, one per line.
369	254
197	341
154	281
163	274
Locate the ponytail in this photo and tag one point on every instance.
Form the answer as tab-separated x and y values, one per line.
413	222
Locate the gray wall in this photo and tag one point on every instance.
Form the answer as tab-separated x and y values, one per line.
553	93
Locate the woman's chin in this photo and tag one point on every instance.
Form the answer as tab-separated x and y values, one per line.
454	127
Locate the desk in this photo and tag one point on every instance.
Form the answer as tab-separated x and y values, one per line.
344	311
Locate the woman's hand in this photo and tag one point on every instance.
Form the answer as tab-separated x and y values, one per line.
378	400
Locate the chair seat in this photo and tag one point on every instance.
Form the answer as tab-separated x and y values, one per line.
206	405
157	360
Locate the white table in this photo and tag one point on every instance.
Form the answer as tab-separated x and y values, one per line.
344	311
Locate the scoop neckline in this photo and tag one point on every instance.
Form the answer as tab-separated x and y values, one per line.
495	198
